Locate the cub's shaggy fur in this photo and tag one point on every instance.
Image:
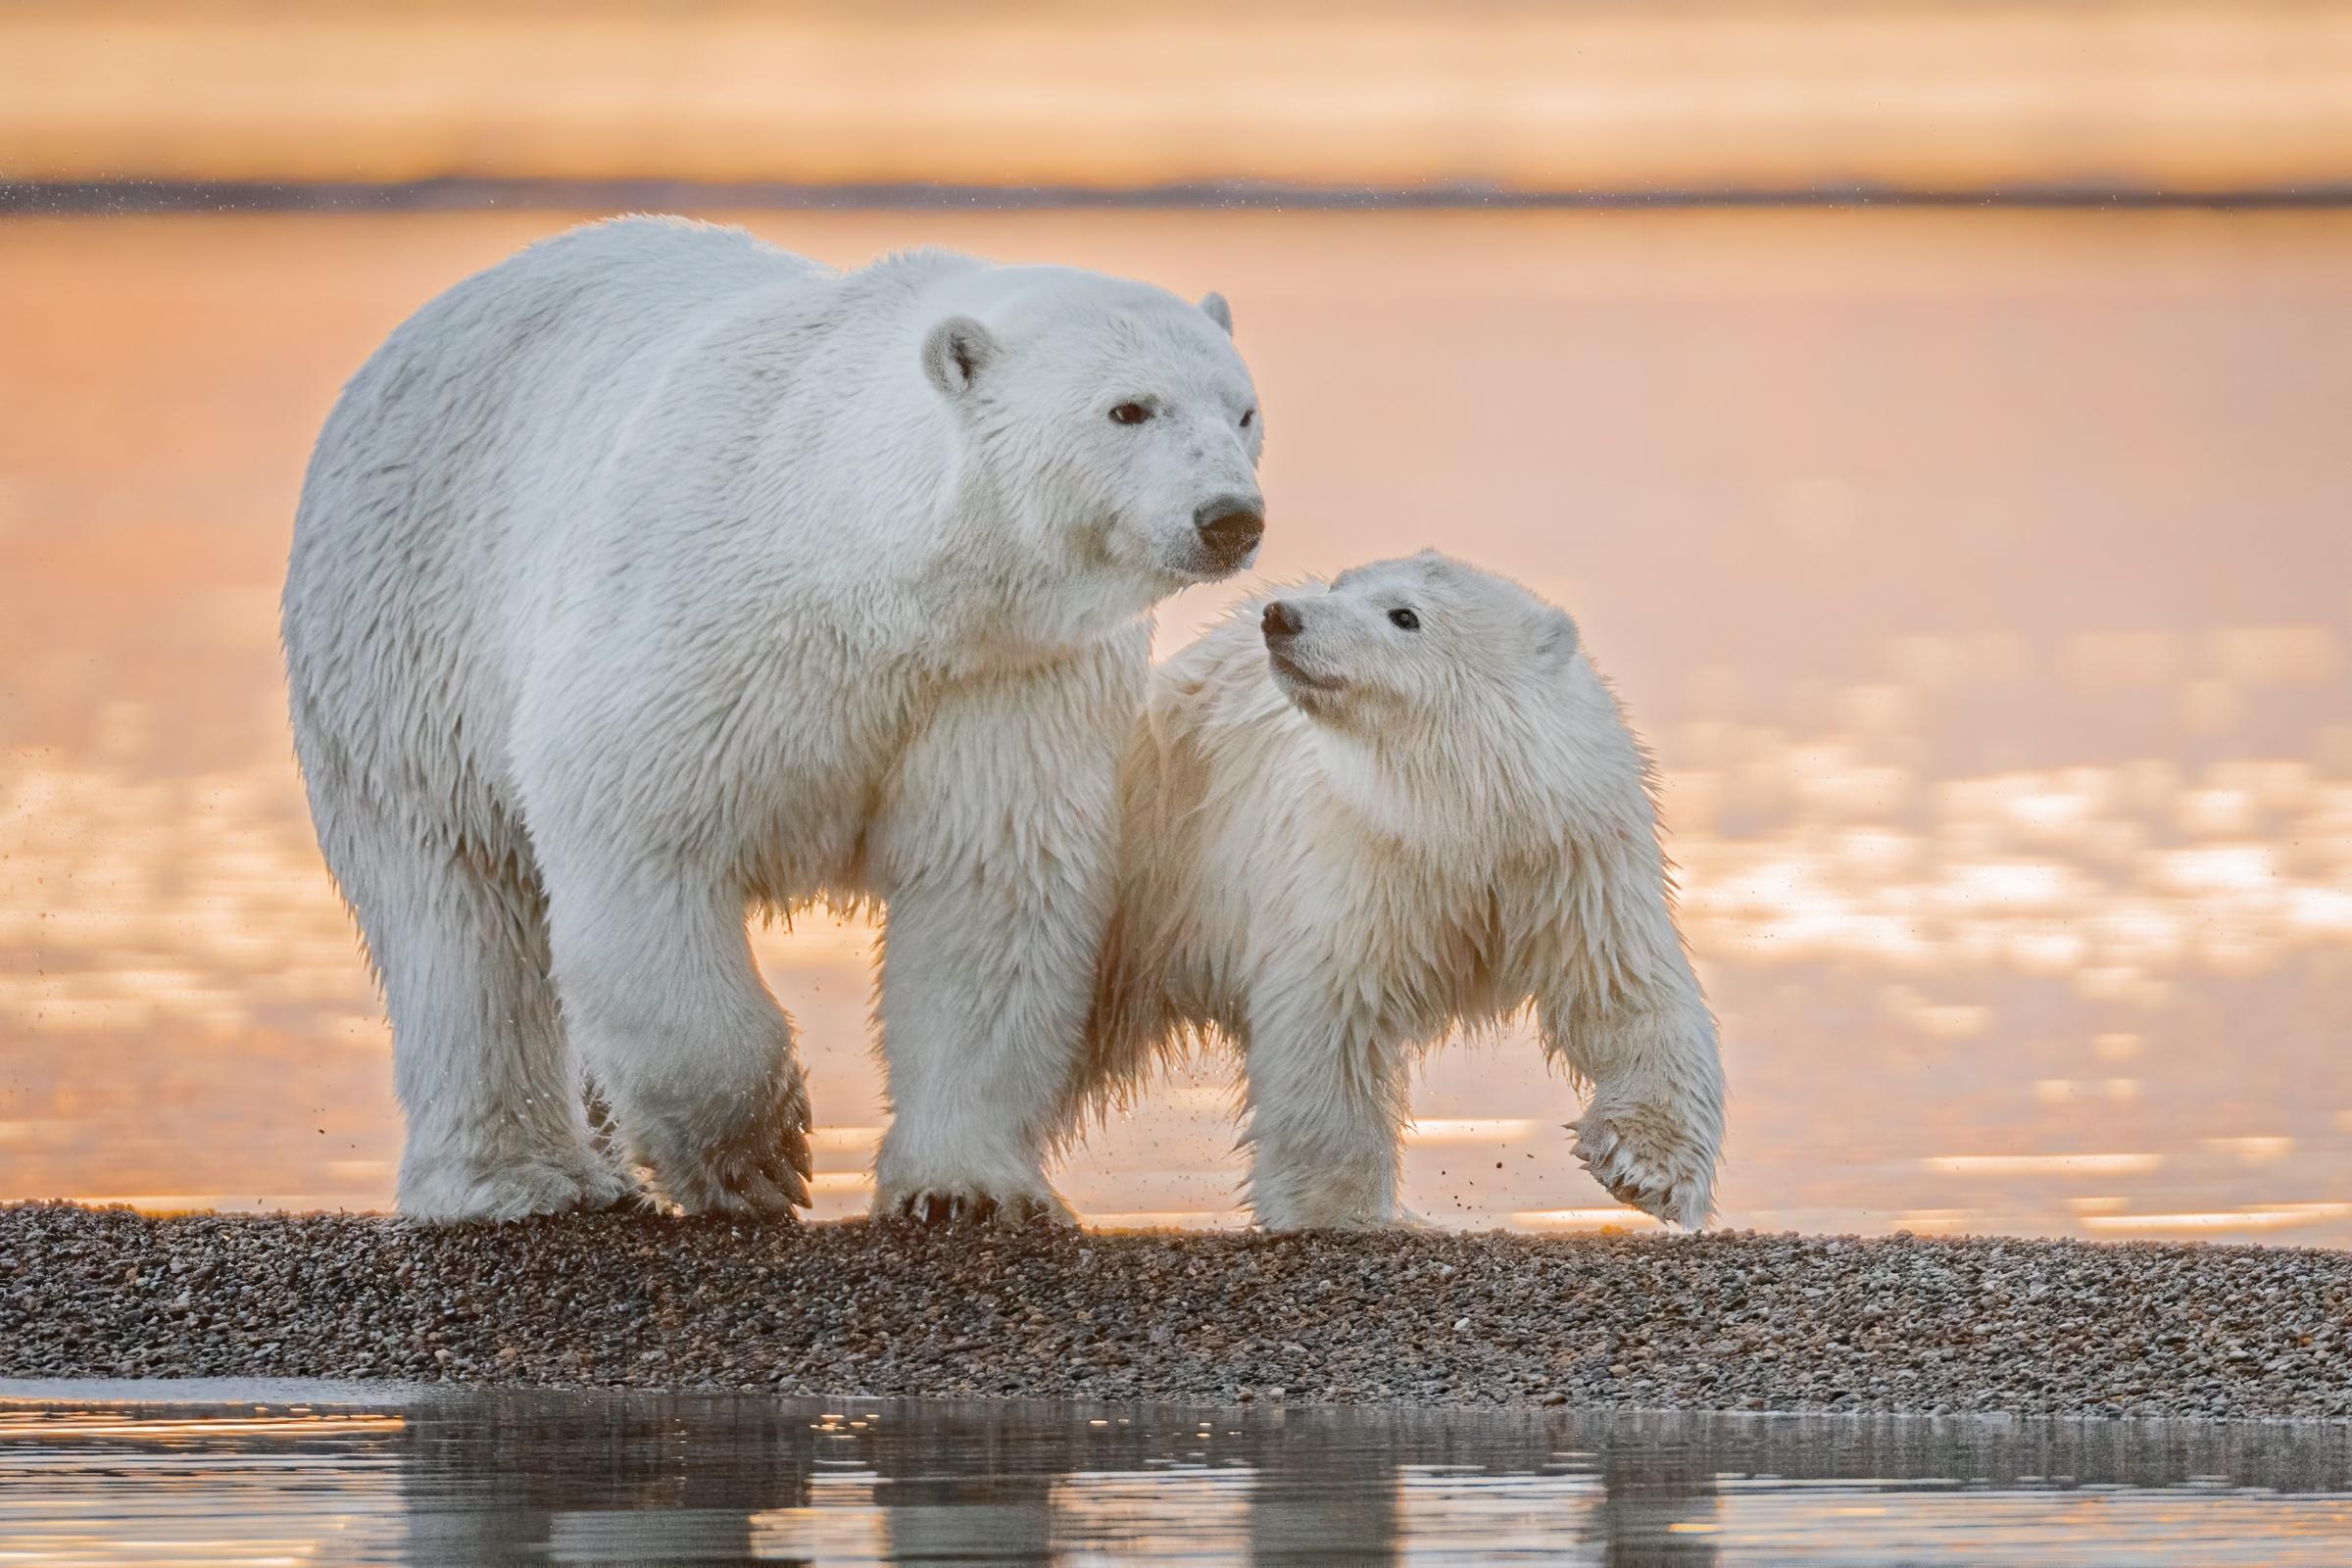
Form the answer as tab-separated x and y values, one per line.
1360	817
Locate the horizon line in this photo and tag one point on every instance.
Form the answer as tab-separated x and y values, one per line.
471	193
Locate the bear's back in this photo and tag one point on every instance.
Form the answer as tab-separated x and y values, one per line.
472	442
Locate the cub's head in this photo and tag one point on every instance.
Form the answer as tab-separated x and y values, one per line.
1116	422
1422	646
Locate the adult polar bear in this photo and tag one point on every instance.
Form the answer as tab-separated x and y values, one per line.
656	574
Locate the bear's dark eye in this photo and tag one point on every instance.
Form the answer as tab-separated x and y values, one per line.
1405	620
1248	419
1130	414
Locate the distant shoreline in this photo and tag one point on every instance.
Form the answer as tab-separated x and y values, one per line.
1717	1321
130	197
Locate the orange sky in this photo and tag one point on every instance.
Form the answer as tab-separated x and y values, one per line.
1953	95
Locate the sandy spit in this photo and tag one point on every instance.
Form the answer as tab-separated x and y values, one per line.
1724	1320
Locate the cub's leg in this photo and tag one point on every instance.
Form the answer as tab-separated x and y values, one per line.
688	1049
1326	1108
1634	1024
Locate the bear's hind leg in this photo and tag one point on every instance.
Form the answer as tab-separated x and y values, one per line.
495	1125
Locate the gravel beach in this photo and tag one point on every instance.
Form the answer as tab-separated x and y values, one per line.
1723	1320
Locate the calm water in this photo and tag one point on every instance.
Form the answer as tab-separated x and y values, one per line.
229	1473
1982	580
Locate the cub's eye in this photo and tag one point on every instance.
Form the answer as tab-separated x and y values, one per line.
1130	414
1249	418
1405	620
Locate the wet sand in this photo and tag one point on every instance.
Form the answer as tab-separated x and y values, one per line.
1724	1320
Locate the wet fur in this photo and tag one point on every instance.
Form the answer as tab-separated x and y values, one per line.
1330	880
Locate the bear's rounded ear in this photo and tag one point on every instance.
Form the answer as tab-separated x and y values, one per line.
1560	639
954	351
1214	306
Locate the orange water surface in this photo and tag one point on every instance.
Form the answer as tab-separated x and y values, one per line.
1982	580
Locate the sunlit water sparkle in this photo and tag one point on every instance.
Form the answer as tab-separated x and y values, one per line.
223	1473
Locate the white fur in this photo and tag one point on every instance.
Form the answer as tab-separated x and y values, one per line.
656	575
1402	834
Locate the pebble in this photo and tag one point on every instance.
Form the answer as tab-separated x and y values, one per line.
1722	1320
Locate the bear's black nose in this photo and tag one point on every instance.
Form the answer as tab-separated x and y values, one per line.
1281	621
1230	526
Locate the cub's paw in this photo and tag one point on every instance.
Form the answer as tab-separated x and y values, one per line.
746	1164
962	1204
1650	1159
1290	1217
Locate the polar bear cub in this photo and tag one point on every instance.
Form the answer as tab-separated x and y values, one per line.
656	575
1361	816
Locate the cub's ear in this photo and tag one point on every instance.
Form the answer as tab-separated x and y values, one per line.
1557	641
1214	306
955	353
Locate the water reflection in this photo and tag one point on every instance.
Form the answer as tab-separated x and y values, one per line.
1980	580
291	1473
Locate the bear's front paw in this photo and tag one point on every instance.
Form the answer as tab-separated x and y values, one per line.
455	1191
961	1203
605	1187
750	1164
1648	1158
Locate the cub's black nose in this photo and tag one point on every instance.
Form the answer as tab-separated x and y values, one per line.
1281	621
1230	525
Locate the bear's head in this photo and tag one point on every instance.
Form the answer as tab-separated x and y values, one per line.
1425	649
1115	424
